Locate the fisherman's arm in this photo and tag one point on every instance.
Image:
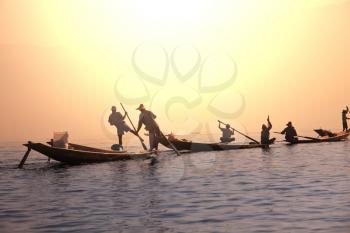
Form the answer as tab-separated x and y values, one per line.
269	125
295	132
110	120
153	115
222	128
220	125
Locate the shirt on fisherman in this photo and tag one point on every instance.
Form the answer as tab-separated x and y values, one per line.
226	133
147	118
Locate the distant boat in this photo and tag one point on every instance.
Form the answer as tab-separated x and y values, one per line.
334	137
76	154
205	147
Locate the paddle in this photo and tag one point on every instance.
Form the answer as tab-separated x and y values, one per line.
171	145
141	140
241	133
311	138
299	136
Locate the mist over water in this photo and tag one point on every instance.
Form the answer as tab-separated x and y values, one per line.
299	188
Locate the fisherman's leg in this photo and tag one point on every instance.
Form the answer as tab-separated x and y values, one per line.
120	139
157	138
151	140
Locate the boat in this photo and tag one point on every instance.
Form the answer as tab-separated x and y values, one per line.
76	154
341	136
185	145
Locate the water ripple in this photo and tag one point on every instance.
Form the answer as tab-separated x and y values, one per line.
286	189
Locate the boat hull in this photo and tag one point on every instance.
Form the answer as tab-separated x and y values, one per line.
339	137
72	156
205	147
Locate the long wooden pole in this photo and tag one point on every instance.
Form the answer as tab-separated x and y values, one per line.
241	133
141	140
299	136
171	145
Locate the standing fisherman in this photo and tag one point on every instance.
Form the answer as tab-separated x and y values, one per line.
345	118
265	133
148	119
117	119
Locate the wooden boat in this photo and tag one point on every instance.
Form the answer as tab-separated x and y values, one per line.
76	154
341	136
203	147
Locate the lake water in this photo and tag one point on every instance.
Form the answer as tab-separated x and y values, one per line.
301	188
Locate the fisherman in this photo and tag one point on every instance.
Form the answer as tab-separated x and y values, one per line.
291	133
227	133
345	118
265	133
117	119
148	119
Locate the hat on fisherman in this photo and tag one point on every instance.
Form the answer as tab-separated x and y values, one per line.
289	123
141	107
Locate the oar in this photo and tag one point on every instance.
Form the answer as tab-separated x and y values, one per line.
171	145
299	136
241	133
141	140
25	155
311	138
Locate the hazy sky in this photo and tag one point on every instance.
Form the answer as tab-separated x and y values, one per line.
63	63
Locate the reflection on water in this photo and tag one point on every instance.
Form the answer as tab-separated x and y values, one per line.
285	189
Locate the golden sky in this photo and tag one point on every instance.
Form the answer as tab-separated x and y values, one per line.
63	63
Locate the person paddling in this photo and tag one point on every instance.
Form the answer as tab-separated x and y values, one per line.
117	119
265	133
345	118
227	133
147	118
290	133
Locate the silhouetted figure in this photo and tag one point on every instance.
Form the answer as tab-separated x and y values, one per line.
265	133
227	133
345	118
290	133
117	119
147	118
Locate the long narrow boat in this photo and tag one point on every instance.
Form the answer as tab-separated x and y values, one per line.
204	147
76	154
341	136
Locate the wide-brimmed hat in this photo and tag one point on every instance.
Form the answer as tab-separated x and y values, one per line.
141	107
289	123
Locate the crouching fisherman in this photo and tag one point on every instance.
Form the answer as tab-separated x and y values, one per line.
290	133
265	133
227	133
117	119
147	118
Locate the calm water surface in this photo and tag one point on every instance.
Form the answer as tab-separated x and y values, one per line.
300	188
